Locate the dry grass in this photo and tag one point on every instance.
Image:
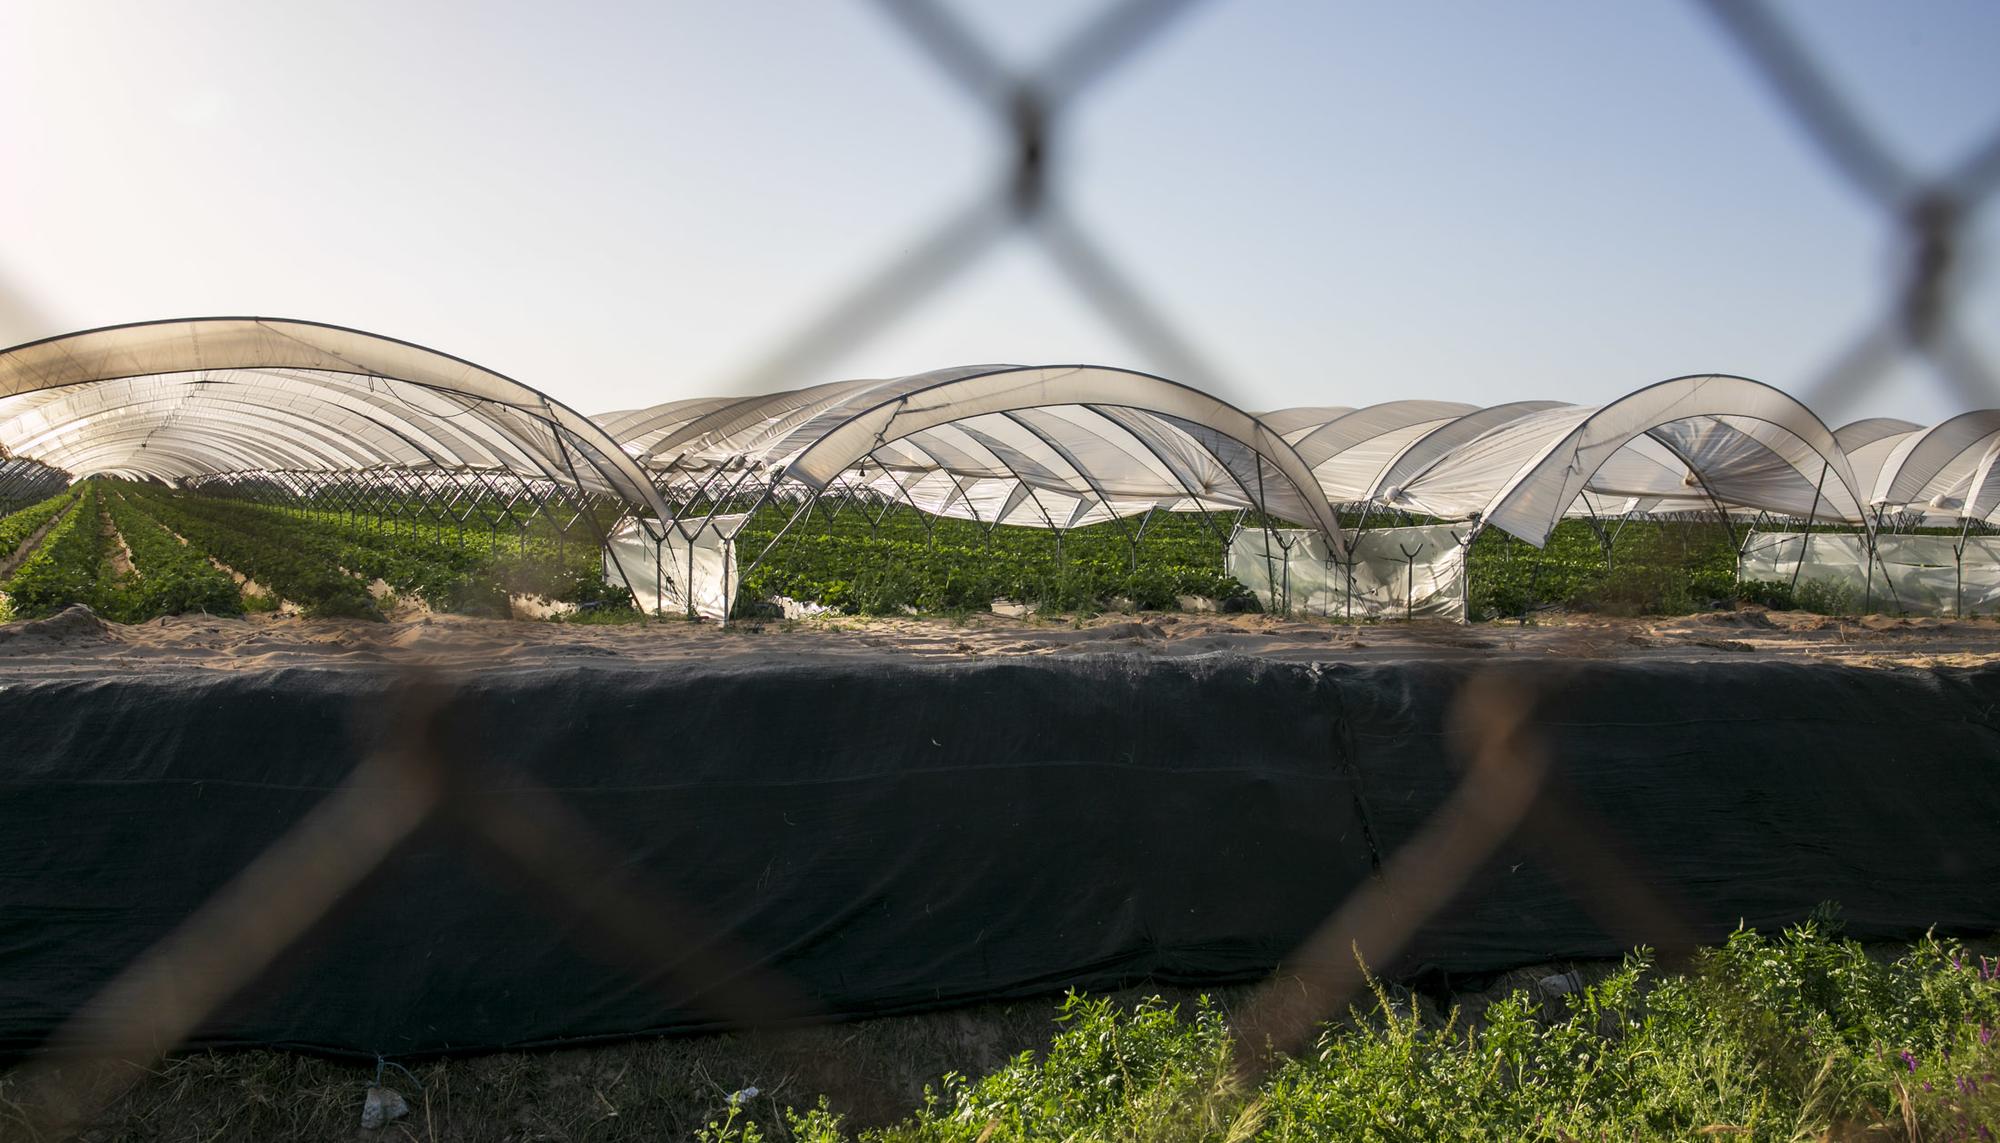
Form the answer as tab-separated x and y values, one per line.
664	1088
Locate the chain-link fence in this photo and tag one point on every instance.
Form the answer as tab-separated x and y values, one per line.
422	778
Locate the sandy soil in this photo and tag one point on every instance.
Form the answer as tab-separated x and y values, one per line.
118	551
77	642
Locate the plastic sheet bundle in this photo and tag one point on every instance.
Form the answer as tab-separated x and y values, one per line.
1390	573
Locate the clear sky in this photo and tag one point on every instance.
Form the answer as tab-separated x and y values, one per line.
1337	203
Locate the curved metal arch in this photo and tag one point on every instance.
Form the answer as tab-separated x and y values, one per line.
1568	462
444	441
1134	436
1439	442
1908	471
216	343
1295	422
24	480
251	390
1028	477
1868	430
1061	450
1359	426
332	447
751	428
221	449
268	399
630	427
918	408
781	438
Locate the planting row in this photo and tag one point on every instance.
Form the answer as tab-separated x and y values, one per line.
19	527
853	557
1640	567
867	561
322	562
168	577
449	568
66	566
297	564
872	564
485	566
78	561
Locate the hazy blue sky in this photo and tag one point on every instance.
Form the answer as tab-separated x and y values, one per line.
1338	203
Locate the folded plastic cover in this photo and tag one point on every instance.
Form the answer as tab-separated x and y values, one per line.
1388	572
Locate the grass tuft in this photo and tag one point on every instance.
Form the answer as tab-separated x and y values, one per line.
1802	1035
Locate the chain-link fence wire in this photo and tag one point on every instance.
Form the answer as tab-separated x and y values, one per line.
1930	212
1510	791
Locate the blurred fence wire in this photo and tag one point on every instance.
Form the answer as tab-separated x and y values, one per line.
1508	792
1930	214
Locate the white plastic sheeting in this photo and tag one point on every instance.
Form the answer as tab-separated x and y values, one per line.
175	399
1065	446
690	572
1055	446
1389	573
1908	574
1692	441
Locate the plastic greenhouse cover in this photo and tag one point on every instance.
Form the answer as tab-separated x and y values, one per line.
1916	575
179	398
1056	447
688	573
1395	572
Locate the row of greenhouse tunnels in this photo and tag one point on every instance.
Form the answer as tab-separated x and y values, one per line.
1017	488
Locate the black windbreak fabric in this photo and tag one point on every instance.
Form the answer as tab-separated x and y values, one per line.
891	837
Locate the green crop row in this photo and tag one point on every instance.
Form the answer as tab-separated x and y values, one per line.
171	578
297	564
436	562
859	561
478	571
444	575
17	527
66	567
862	558
1652	567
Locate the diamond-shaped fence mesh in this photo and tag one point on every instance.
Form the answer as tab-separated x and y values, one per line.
1506	793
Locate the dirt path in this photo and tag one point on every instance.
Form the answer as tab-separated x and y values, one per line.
120	554
459	642
251	588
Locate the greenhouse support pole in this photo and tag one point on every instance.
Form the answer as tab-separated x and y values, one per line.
1597	529
1958	566
805	506
687	585
1347	580
1410	582
1291	607
1868	577
1465	571
1806	543
1631	506
728	565
576	488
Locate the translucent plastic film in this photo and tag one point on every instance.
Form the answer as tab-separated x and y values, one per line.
1911	575
690	572
1390	573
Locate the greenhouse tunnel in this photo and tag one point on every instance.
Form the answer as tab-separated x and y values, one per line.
288	408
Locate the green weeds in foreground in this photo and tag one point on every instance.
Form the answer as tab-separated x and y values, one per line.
1799	1037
